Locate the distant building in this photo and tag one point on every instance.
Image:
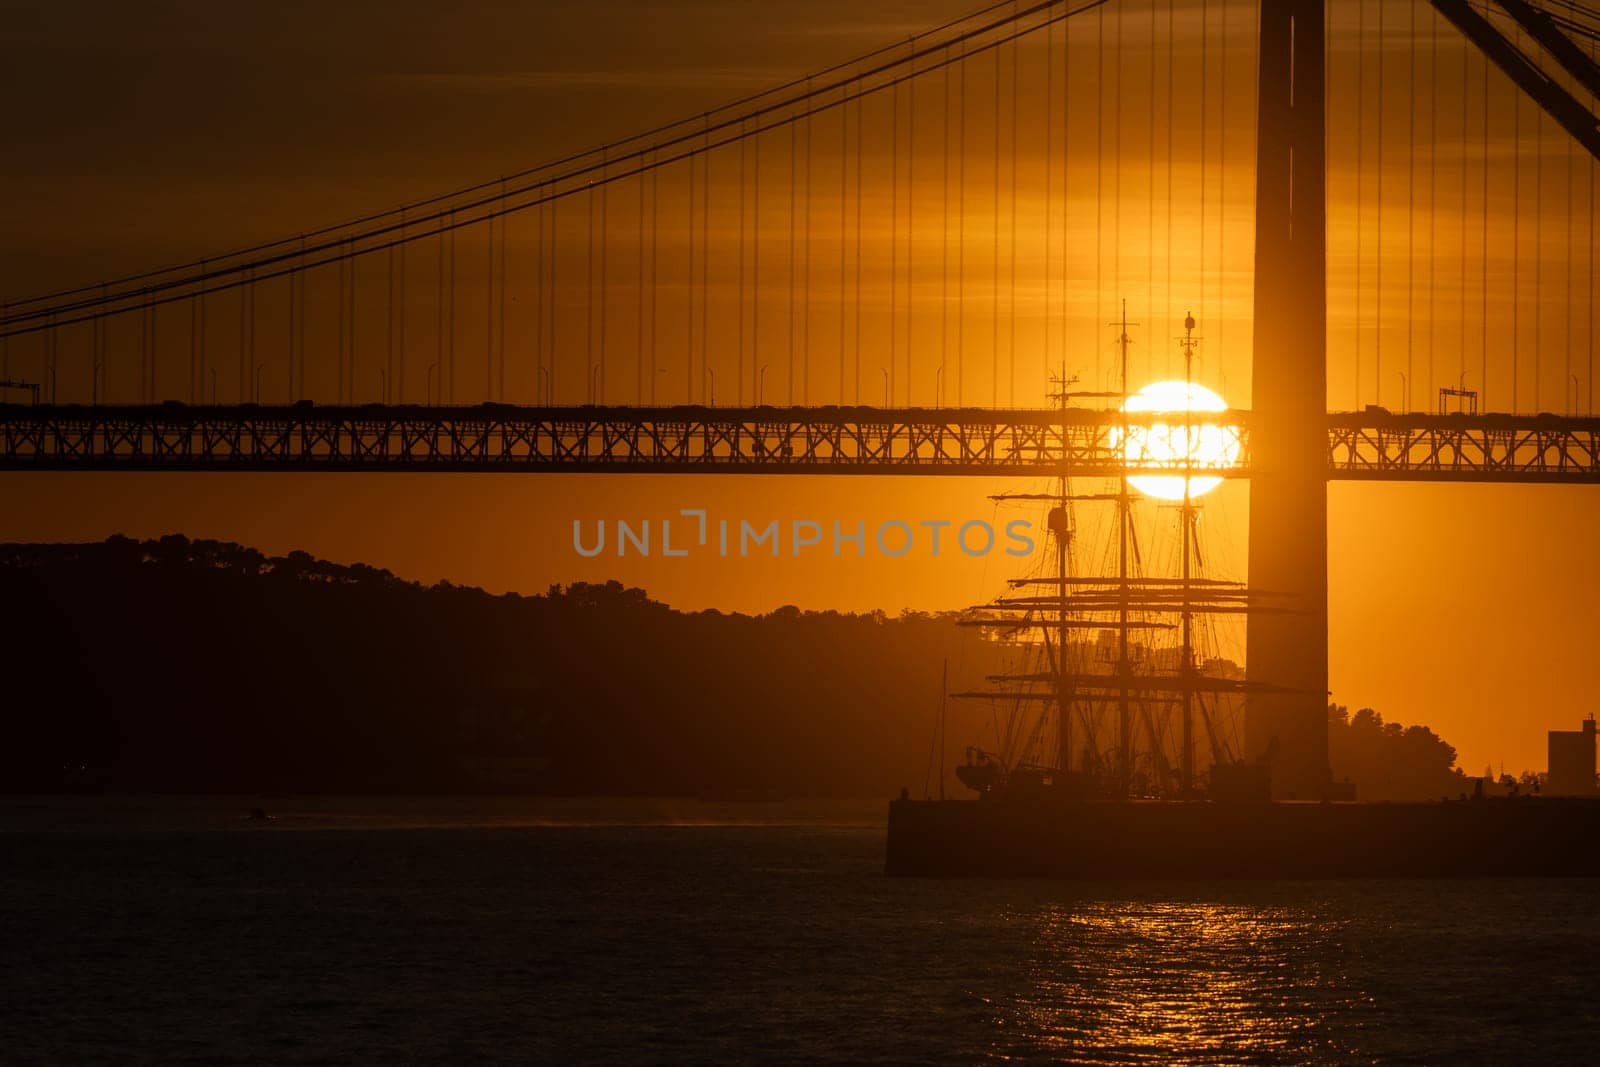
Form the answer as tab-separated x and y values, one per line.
1572	762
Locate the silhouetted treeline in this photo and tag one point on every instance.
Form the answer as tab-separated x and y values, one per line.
200	665
1388	761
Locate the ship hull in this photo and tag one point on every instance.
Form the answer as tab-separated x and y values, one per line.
1174	840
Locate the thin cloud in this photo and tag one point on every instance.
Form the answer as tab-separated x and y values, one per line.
547	80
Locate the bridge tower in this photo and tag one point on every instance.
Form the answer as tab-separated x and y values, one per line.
1288	488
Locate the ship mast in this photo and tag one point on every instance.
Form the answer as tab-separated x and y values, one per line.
1187	517
1124	513
1061	527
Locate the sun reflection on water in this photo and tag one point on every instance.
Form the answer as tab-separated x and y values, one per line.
1147	980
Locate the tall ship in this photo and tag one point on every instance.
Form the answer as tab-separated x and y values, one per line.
1118	746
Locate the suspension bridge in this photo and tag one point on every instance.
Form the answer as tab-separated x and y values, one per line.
1380	211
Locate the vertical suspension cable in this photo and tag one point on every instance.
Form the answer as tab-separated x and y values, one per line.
488	317
638	354
1361	142
1099	187
144	354
744	144
1466	55
1516	242
305	313
505	224
1066	177
944	253
97	354
961	234
589	304
994	283
246	393
755	284
655	275
1411	204
1377	254
1172	37
844	169
1012	315
194	349
1222	183
1116	170
552	320
705	258
1150	203
450	322
388	331
894	238
1567	305
298	313
1049	183
805	288
605	286
539	396
400	326
1538	254
688	343
911	229
1483	253
201	333
794	179
1205	115
350	391
345	285
1433	185
859	162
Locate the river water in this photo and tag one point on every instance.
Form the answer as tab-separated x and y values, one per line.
174	930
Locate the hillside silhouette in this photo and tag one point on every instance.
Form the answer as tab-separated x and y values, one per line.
179	665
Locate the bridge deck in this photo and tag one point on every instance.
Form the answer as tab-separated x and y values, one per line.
1372	445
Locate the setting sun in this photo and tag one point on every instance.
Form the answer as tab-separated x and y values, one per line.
1175	445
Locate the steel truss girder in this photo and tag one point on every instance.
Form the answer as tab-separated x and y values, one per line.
1464	448
1370	446
593	439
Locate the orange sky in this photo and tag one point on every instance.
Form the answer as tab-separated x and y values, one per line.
151	139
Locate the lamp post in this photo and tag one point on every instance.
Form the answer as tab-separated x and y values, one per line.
761	385
938	386
1405	393
431	368
885	374
383	384
1574	409
255	395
